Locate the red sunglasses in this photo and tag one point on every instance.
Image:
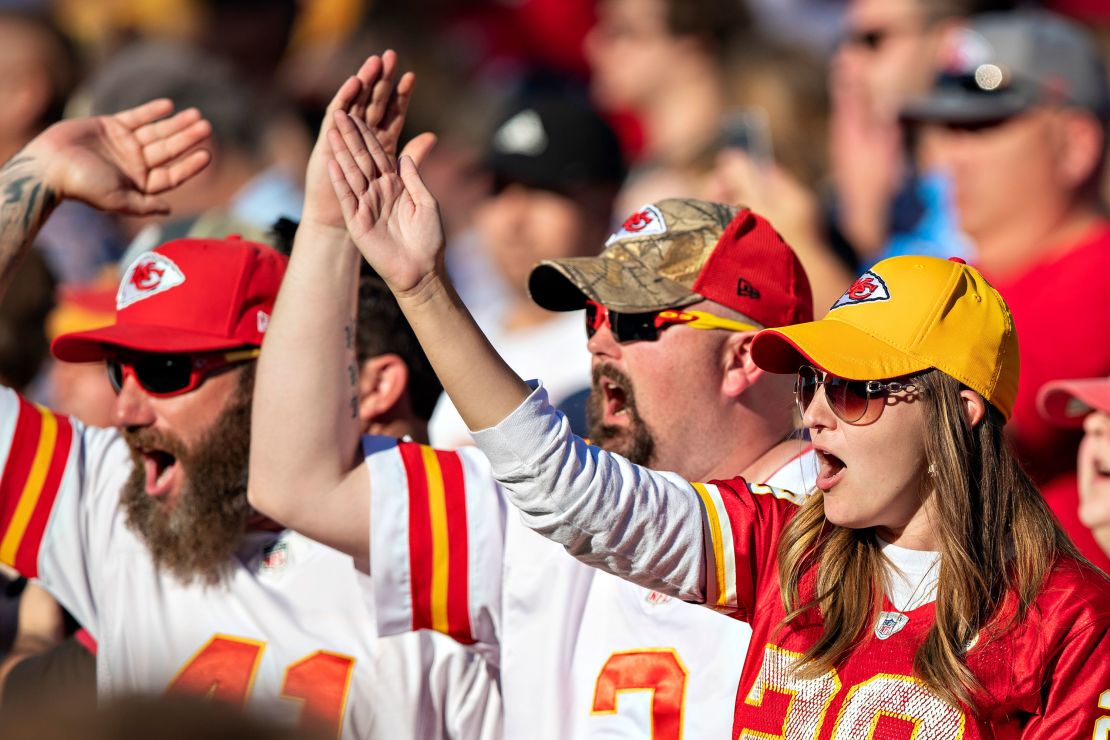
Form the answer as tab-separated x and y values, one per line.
165	375
645	327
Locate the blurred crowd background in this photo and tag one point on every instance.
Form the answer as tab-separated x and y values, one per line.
557	119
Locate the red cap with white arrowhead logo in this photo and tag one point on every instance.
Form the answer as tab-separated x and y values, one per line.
188	295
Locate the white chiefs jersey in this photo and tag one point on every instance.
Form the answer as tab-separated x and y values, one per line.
288	634
582	654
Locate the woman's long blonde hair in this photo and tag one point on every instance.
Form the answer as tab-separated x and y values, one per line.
997	537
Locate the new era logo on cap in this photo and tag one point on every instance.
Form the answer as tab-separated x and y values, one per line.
647	221
868	288
149	275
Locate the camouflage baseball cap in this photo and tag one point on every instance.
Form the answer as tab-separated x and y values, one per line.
681	251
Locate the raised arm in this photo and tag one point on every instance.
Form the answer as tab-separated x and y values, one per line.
119	163
635	523
304	469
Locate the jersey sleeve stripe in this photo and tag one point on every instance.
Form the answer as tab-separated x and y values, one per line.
31	480
420	533
437	508
458	605
21	456
27	555
721	592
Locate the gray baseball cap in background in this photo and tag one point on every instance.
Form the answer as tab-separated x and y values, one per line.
1001	64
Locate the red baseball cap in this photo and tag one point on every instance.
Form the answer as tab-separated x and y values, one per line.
1066	402
188	295
680	251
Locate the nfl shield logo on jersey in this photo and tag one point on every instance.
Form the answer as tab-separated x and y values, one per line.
889	623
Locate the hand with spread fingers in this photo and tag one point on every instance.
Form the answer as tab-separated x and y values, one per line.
392	218
374	97
121	162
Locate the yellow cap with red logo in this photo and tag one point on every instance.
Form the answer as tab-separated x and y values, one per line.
903	316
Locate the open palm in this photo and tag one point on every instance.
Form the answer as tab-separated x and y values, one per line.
122	162
375	98
391	217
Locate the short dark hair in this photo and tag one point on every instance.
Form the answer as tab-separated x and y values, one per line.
382	328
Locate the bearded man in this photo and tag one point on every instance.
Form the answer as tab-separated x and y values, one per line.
143	531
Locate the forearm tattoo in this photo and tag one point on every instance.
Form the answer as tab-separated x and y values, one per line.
352	369
26	202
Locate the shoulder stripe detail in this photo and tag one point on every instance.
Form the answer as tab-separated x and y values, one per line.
721	553
437	540
40	450
458	606
437	510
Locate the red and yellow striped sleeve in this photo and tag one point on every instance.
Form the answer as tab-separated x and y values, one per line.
438	550
40	448
742	523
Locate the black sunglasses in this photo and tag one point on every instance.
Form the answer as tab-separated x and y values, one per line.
646	327
165	375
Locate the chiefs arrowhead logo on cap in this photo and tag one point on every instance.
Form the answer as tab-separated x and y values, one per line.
868	288
150	274
644	222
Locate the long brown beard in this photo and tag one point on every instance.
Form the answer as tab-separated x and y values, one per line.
635	441
198	536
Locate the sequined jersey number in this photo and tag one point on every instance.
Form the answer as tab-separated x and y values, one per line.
876	707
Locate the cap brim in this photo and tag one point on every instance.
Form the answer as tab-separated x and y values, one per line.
833	346
958	106
94	345
1066	402
621	285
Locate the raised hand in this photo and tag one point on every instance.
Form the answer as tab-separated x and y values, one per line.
372	97
119	163
390	215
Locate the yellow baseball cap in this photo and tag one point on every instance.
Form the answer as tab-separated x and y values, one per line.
905	315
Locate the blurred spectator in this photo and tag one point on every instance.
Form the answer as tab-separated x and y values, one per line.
1018	120
82	389
663	62
51	656
1071	404
140	718
23	312
887	57
38	71
772	154
556	167
784	85
240	179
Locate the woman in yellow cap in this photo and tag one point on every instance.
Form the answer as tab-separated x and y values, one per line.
923	591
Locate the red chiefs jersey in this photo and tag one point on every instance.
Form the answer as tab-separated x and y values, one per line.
1049	677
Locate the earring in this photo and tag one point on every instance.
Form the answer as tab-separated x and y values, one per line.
932	469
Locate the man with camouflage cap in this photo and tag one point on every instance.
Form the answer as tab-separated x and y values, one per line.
581	653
